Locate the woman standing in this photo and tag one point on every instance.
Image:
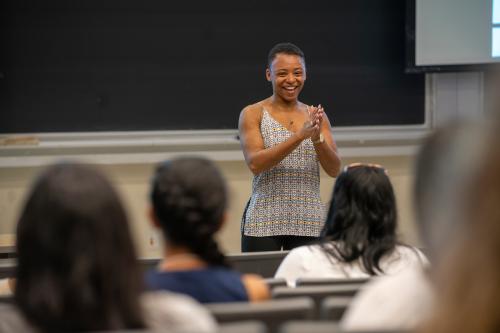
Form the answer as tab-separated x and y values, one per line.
282	140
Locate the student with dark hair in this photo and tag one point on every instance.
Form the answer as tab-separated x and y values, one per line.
402	301
359	237
284	141
76	267
189	201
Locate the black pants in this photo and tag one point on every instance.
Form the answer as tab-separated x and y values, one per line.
273	243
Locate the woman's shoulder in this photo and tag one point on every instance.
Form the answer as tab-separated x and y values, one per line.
307	250
411	251
167	310
251	114
411	255
254	110
304	254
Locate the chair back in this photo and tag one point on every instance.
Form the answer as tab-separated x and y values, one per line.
248	326
275	282
148	264
7	267
330	281
304	326
317	293
333	307
263	263
7	299
272	313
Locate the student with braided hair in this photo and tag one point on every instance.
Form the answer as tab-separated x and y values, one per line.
189	200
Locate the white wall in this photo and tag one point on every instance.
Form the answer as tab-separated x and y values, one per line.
132	182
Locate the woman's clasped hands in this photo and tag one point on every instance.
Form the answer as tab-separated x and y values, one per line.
312	127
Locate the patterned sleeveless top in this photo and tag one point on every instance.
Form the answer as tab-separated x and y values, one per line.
285	199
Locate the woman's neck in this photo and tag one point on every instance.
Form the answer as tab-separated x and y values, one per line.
180	259
281	104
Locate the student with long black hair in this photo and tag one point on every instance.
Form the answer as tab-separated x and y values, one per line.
359	237
443	177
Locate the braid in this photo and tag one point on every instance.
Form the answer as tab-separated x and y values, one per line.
200	223
208	250
189	199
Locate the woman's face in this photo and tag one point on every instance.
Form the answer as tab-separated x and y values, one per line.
287	75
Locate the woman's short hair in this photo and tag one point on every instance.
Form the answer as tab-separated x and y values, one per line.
286	48
77	269
189	200
361	221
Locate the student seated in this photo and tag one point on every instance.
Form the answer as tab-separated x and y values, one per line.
77	269
189	200
402	301
359	237
467	282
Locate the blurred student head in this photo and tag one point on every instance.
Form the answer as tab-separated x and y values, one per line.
189	200
444	166
468	288
361	220
77	268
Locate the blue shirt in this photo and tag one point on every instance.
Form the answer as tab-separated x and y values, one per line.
207	285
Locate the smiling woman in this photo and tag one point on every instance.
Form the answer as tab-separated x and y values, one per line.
282	140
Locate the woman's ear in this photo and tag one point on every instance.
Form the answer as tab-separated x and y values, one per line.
268	74
152	218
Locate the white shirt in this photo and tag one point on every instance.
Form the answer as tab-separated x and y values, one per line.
396	302
162	310
312	262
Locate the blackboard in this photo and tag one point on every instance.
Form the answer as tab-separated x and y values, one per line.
129	65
